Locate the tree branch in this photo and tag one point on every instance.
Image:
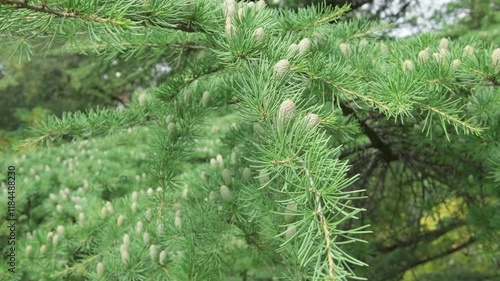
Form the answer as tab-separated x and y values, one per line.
423	237
442	254
376	142
17	4
21	4
324	225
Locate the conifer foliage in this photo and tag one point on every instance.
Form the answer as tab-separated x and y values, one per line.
322	115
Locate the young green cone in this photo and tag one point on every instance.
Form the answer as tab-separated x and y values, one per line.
304	46
226	177
312	120
286	111
163	257
153	252
281	67
100	270
225	194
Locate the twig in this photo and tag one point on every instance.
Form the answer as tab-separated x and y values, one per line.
360	96
69	269
450	118
324	224
17	4
368	32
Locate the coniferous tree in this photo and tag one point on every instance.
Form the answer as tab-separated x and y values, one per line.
326	122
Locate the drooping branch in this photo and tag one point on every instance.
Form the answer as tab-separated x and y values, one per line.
449	251
375	140
427	236
17	4
324	226
414	259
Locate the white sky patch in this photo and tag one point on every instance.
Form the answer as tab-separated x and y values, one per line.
163	67
422	12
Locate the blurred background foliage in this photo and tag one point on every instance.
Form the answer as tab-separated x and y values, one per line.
53	84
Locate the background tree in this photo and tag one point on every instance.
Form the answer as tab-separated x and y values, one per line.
478	20
420	129
52	83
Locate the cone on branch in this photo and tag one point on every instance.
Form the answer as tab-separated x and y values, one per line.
468	51
312	120
225	194
345	49
304	46
100	270
495	57
258	34
408	66
444	43
281	68
163	257
286	111
247	174
423	55
205	100
292	49
259	130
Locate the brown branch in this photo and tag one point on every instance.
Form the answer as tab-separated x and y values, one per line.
440	255
375	140
422	237
408	260
63	14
